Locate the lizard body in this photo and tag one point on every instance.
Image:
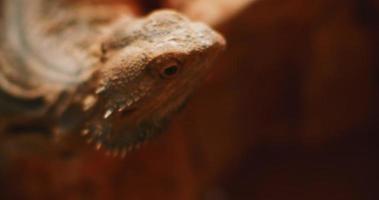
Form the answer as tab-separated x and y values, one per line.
113	78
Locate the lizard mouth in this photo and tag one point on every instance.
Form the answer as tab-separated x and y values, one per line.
114	128
128	111
117	139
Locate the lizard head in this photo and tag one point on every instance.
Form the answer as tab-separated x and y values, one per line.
149	68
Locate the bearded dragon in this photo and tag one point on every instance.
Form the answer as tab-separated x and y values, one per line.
98	71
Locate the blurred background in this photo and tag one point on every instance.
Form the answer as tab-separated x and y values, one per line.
290	111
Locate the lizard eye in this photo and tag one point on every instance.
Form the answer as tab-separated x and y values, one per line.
170	70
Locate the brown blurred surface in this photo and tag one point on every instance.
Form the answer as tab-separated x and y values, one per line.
289	112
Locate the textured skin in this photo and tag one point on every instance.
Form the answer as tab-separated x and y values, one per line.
113	78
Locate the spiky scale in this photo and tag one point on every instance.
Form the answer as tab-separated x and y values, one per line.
108	113
98	146
89	102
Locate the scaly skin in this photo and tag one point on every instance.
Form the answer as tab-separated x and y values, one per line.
114	79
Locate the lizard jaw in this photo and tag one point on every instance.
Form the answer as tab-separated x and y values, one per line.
114	128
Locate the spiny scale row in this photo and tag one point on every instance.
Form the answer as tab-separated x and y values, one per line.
122	152
91	100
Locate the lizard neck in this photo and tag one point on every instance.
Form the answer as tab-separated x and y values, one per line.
46	47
